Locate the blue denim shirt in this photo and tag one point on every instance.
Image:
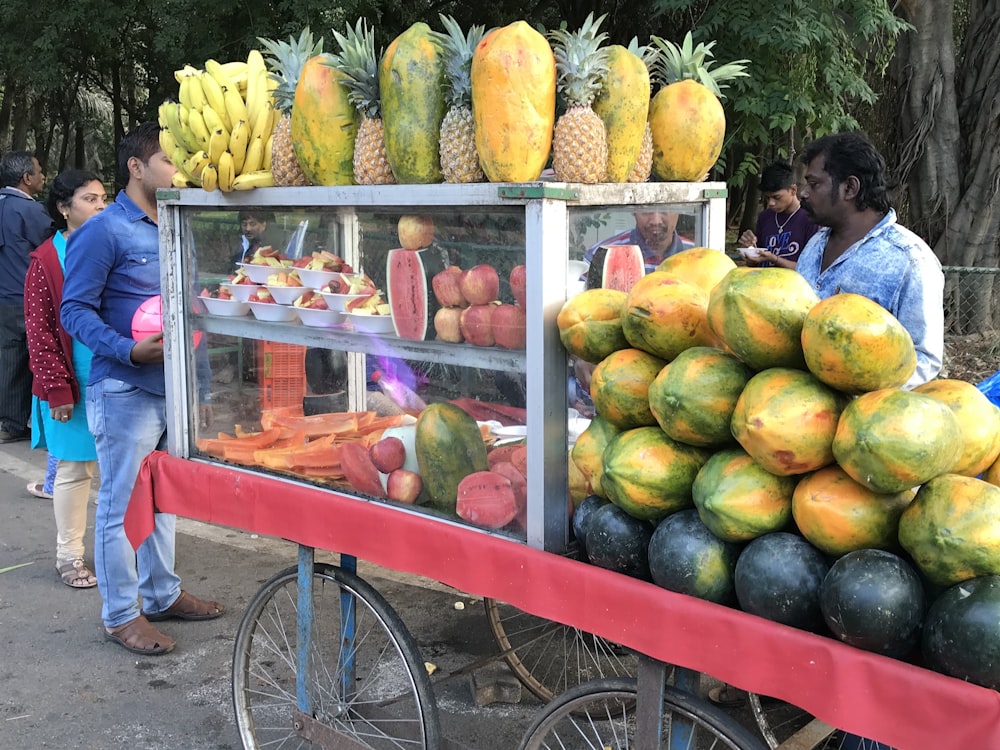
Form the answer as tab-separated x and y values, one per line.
112	267
894	267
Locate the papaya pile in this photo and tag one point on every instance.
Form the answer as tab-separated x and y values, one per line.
782	467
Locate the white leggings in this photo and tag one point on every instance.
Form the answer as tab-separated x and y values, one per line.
70	495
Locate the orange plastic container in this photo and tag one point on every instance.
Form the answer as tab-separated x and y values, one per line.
281	374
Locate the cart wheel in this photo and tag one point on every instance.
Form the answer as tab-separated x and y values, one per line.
366	679
548	657
601	714
779	722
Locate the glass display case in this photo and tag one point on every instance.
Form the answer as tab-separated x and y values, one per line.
287	386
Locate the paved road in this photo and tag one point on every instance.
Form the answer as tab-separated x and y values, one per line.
66	687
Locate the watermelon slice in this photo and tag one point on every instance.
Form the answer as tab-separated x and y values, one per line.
616	267
408	275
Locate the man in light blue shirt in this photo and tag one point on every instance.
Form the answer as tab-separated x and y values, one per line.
861	249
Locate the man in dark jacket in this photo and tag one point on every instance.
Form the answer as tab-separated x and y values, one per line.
24	225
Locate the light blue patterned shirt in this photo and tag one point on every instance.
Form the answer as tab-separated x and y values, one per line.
894	267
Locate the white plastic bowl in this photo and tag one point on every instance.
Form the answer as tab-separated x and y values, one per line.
339	301
316	318
316	279
229	308
258	274
750	253
273	313
286	295
378	324
240	292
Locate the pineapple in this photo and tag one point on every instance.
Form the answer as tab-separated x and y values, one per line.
457	143
285	63
579	146
644	163
359	64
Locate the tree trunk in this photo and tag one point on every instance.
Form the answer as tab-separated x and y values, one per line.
21	118
9	95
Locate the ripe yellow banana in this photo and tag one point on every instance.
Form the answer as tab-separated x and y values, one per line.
173	113
198	161
216	145
215	99
185	72
209	178
250	180
226	172
257	95
265	122
167	141
179	158
268	150
197	125
192	95
236	108
235	70
238	143
180	180
213	121
254	160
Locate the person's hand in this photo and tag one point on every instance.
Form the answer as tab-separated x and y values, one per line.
62	413
204	415
768	256
747	239
149	351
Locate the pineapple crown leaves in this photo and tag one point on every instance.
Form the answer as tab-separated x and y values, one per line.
648	53
285	61
687	61
581	61
359	64
459	48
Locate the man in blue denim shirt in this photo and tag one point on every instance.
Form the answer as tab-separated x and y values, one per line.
861	249
113	266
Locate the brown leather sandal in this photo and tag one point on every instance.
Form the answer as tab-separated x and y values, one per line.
140	637
188	607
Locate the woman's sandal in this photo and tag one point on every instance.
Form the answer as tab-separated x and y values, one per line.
140	637
38	490
76	574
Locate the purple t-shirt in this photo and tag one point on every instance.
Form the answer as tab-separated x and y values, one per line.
783	234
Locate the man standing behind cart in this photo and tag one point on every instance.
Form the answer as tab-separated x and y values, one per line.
862	249
112	266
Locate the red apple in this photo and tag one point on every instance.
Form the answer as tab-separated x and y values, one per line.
509	326
518	284
481	284
403	486
476	326
388	454
447	285
447	325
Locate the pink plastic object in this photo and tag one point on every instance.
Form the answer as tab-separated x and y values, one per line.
148	319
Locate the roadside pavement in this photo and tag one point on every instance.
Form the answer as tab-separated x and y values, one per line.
66	687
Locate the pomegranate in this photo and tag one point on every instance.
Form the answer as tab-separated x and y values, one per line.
481	284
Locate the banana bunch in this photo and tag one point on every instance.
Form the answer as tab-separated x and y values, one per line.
219	131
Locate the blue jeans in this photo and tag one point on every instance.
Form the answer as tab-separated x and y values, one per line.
128	423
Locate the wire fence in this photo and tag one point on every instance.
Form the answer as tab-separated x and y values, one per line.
971	301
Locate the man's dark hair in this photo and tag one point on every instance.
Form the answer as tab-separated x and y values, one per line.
260	215
777	176
848	154
14	166
62	189
142	142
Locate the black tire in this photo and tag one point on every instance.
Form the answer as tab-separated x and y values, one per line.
601	714
778	722
550	658
366	678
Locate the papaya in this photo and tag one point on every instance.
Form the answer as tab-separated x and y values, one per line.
952	529
411	84
648	475
513	102
855	345
664	315
619	387
701	266
891	440
622	105
694	396
758	314
978	422
688	125
449	447
324	125
588	451
590	324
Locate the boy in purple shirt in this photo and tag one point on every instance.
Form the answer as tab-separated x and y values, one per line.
783	228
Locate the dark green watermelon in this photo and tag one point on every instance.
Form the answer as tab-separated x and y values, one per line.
581	516
684	556
617	541
873	599
778	577
962	632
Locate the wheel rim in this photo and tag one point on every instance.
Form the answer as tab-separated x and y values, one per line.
779	722
371	687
